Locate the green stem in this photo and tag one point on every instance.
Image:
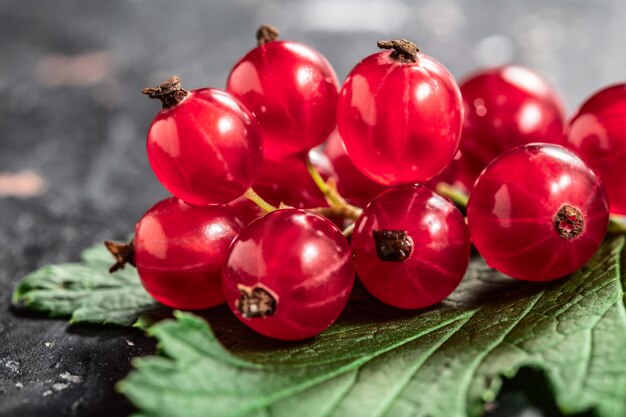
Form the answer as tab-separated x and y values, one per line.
457	196
617	224
251	195
347	232
337	204
333	198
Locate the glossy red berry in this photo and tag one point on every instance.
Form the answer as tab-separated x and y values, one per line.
399	114
505	107
204	145
598	134
411	247
537	212
288	274
292	90
180	250
352	184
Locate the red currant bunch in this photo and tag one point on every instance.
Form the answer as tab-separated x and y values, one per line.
273	227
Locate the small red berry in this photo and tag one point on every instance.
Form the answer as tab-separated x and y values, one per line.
537	212
352	184
180	250
505	107
289	274
204	145
292	90
411	247
598	134
399	114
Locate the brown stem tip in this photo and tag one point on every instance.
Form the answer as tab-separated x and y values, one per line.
392	245
402	50
124	253
266	33
568	222
255	302
170	92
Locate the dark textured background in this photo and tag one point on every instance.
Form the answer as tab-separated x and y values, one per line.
73	169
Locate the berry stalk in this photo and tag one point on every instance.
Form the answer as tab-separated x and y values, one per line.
617	224
338	205
170	92
458	197
251	195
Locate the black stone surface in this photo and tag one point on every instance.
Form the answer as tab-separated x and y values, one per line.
70	110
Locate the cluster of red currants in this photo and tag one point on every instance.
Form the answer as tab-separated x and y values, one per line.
399	126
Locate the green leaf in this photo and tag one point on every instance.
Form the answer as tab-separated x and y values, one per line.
376	361
87	292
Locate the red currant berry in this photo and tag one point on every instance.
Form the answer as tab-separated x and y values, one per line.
352	184
180	250
598	134
289	274
292	90
204	145
537	212
399	114
505	107
411	247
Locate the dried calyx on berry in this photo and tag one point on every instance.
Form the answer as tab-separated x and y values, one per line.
255	302
568	222
392	245
170	92
124	253
402	50
266	33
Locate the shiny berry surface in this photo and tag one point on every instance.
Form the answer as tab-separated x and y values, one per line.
400	121
505	107
537	213
288	274
352	184
205	149
180	250
411	247
292	90
598	134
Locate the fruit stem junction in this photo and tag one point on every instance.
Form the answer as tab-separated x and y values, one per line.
392	245
402	50
124	253
266	33
255	302
251	195
170	92
617	224
458	197
338	206
568	222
